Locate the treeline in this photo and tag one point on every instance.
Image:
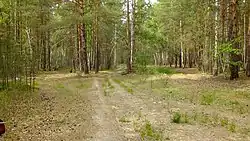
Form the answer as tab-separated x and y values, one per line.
93	35
81	35
212	35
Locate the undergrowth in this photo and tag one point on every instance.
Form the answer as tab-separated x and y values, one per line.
204	119
154	70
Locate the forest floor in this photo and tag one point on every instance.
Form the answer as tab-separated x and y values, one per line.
185	106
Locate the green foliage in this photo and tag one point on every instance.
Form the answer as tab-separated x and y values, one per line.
176	117
208	99
148	133
155	70
228	48
180	118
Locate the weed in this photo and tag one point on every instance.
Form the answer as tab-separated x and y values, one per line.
147	132
124	119
224	122
176	117
237	106
232	127
207	99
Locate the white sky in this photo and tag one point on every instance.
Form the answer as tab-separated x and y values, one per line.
153	1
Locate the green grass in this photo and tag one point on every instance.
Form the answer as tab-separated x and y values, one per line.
127	88
208	99
180	118
204	119
226	98
149	133
154	70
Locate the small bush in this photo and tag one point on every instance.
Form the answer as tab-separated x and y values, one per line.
147	132
176	117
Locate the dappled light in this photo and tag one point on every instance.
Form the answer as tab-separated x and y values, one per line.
124	70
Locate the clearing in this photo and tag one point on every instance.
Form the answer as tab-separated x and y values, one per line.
184	106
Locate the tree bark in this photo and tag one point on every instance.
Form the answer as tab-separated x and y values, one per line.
232	35
248	43
83	45
97	49
129	65
215	67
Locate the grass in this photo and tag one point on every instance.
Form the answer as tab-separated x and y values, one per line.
215	95
180	118
154	70
149	133
204	119
128	89
208	99
124	119
60	86
17	103
107	87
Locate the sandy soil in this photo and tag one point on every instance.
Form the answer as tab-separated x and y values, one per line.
74	108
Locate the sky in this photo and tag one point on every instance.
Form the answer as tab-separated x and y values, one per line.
153	1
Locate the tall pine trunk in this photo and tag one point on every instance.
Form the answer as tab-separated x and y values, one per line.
83	46
215	67
129	65
232	35
97	49
248	42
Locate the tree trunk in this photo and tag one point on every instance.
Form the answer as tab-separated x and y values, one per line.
232	35
215	67
83	45
181	61
97	49
49	51
248	44
129	60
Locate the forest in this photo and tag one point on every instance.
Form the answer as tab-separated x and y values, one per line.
118	70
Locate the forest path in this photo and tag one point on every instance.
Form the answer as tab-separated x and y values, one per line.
75	108
106	107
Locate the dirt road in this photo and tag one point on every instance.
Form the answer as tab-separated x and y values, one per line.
75	108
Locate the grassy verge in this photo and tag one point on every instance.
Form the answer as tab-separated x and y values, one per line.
127	88
208	120
154	70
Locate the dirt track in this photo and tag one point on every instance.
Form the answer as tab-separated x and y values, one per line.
100	109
